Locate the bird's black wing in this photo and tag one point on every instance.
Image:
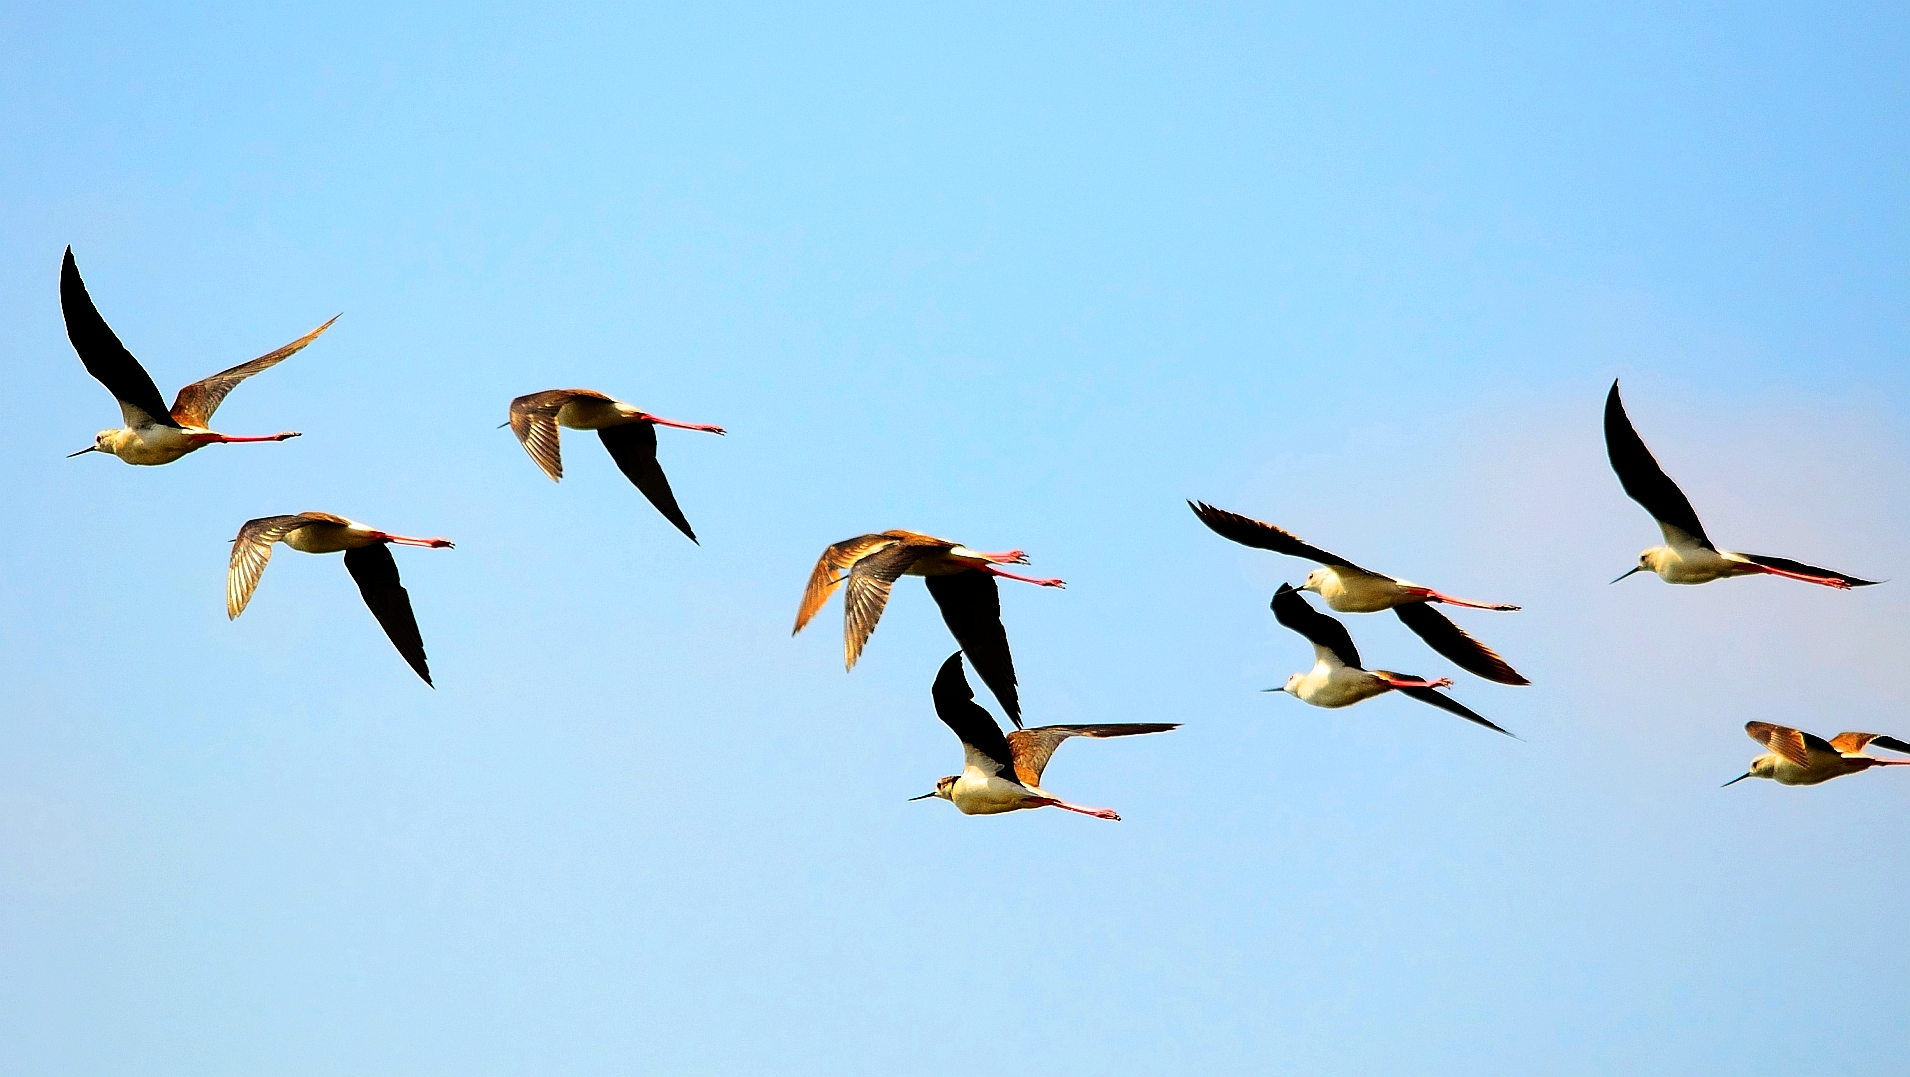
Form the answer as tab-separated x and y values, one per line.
955	705
634	447
377	575
1298	614
1452	641
1891	743
1803	569
1644	481
971	606
104	356
1447	703
1251	532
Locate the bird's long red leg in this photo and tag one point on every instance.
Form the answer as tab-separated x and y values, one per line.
210	438
993	571
706	427
408	540
1005	557
1821	581
1431	595
1408	682
1098	813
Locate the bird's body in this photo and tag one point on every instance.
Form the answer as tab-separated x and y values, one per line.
1337	678
1688	555
628	433
153	433
961	580
367	556
1347	588
1800	758
1003	773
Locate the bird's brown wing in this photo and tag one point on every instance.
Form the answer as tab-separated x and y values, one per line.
534	421
1034	747
1251	532
196	402
1792	744
829	573
250	552
971	607
104	356
1855	743
1452	641
634	447
376	573
869	581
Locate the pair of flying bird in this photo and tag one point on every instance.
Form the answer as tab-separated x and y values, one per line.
153	434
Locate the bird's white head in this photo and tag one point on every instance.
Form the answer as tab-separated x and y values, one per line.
944	788
1292	687
1648	561
1764	766
102	442
1316	580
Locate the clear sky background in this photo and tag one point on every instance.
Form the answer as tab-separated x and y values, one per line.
1016	276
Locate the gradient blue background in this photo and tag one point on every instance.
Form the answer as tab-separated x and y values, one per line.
1020	277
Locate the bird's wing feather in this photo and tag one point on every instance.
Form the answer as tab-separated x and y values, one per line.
1251	532
870	579
1034	747
1453	642
1803	569
376	572
1852	743
971	606
534	421
828	573
1299	615
634	447
104	356
250	552
1792	744
955	705
1446	703
1645	482
196	402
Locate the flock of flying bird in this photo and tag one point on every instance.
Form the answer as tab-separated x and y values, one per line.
1001	773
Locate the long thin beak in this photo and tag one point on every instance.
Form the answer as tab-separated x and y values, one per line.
1639	568
503	424
1737	779
82	452
924	796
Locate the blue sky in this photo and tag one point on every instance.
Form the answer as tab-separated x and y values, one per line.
1021	277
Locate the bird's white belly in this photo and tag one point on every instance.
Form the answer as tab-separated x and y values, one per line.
975	794
1339	687
327	538
1358	592
1695	564
595	414
155	444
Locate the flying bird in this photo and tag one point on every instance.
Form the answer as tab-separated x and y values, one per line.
961	580
1798	758
628	432
1336	679
1003	773
153	434
367	557
1688	556
1348	588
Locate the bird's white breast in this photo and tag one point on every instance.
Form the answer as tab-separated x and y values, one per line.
976	793
1337	686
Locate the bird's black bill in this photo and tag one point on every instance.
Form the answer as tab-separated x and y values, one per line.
1640	568
924	796
1736	780
503	424
82	452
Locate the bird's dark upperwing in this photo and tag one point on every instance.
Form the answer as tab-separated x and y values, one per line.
634	447
1034	747
870	579
1644	481
1250	532
1296	613
104	356
1452	641
377	575
1447	703
1802	569
971	606
196	402
955	705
